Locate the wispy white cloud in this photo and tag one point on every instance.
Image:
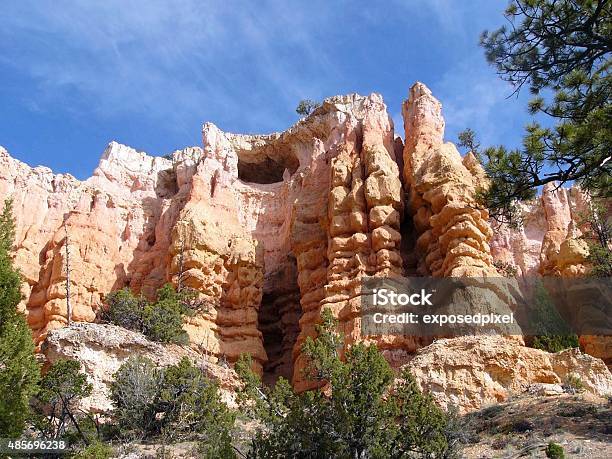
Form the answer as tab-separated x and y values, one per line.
245	64
473	96
447	16
163	59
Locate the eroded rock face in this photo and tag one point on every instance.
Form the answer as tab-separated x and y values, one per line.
271	229
102	349
112	221
473	371
364	208
452	234
549	240
214	255
550	243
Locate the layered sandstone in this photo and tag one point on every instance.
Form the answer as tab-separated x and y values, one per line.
271	229
102	349
452	233
214	255
548	240
364	210
117	223
471	372
245	221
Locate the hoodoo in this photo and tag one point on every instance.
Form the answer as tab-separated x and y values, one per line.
269	230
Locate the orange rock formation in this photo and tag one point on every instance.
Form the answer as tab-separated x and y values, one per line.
271	229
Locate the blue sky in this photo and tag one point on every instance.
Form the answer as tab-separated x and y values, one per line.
75	75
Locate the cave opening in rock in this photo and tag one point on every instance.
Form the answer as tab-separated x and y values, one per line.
166	185
278	321
266	170
408	245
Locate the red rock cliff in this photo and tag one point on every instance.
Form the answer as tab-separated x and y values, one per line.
271	229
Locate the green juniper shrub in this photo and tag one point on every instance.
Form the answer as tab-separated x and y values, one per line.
555	451
217	446
306	107
164	323
555	343
423	426
160	321
467	139
7	227
163	320
134	392
56	402
553	333
355	411
190	402
92	428
175	403
19	372
124	309
600	259
573	384
95	450
598	234
292	424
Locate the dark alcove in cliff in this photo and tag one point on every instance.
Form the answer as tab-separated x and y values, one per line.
278	321
166	185
266	170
